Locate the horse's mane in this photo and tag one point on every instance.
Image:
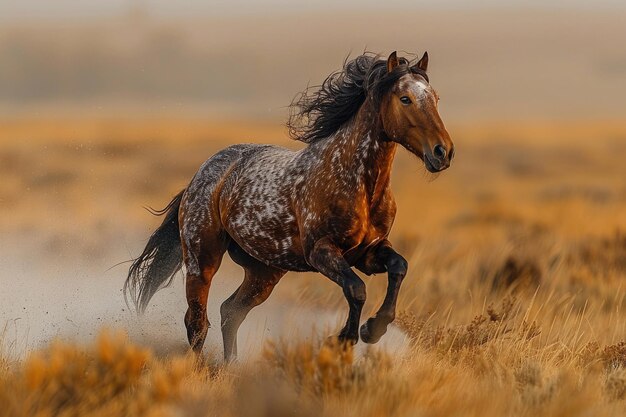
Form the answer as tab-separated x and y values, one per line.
319	111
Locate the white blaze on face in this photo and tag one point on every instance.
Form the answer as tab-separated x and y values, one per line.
420	89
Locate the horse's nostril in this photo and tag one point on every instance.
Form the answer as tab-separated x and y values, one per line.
439	151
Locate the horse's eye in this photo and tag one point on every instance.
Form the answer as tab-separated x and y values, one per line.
405	100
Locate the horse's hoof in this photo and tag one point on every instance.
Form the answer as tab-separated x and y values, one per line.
371	332
342	341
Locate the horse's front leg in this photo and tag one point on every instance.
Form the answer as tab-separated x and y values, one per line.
327	259
379	259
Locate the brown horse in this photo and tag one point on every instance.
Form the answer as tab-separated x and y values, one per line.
327	207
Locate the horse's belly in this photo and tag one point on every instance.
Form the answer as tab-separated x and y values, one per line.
279	253
286	262
270	236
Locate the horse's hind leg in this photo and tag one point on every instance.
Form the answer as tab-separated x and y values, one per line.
258	283
196	321
202	262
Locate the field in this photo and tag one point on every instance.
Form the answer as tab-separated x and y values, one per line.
514	302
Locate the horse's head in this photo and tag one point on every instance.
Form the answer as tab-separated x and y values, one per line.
410	117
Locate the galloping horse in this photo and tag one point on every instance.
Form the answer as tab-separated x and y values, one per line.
327	207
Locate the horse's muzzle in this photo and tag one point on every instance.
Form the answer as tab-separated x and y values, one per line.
434	164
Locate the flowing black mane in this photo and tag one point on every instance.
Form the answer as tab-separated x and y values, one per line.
319	111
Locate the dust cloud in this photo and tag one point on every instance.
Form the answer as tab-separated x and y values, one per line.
43	300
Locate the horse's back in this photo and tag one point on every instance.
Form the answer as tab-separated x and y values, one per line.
230	160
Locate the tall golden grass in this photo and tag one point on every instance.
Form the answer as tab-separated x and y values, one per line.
495	365
513	306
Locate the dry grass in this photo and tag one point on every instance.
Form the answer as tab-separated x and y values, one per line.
514	303
489	367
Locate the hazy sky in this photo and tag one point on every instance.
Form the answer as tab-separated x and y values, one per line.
59	9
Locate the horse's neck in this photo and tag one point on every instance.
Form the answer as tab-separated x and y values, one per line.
359	154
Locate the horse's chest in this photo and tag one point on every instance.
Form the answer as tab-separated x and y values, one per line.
364	229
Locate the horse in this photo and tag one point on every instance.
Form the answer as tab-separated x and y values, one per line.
327	207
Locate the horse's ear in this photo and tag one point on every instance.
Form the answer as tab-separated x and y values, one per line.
423	62
392	61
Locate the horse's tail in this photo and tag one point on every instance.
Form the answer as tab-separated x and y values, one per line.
161	259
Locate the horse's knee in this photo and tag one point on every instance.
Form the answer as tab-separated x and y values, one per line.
397	265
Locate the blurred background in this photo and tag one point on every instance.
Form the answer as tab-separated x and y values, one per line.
106	107
247	58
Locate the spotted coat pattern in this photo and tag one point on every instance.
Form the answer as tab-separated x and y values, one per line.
275	203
